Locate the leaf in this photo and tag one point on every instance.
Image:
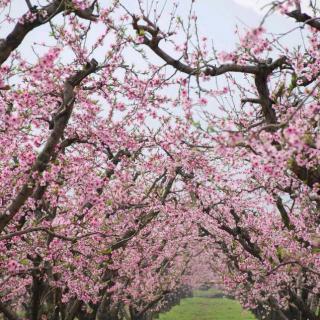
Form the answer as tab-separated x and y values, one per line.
108	202
293	83
315	250
282	252
106	251
24	262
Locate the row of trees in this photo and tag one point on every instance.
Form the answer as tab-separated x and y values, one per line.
122	184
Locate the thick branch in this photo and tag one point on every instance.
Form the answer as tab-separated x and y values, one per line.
153	44
60	122
261	82
287	223
305	18
243	238
291	263
51	233
302	306
152	37
310	176
274	304
284	215
152	303
208	70
25	25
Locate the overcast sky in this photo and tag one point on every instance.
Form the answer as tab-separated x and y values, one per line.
217	20
258	4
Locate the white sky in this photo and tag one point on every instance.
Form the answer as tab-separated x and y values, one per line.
258	4
217	19
255	4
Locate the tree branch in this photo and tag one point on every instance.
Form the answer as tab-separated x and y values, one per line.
153	44
25	25
60	122
51	233
305	18
292	262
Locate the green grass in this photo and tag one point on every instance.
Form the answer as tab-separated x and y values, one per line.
206	293
203	308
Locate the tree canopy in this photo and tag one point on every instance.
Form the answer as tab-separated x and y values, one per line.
138	161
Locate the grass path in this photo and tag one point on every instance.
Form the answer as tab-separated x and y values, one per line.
202	307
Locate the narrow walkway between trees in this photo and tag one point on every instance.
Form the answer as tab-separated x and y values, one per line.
206	306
